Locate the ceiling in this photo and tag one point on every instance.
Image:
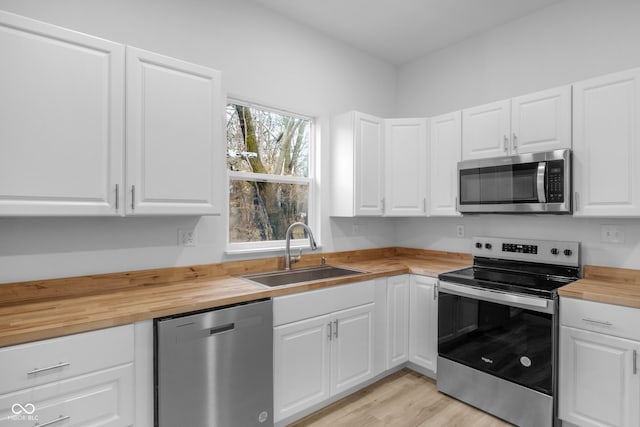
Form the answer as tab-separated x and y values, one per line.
399	31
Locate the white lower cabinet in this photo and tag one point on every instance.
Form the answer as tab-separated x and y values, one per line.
599	382
318	357
397	320
423	323
85	379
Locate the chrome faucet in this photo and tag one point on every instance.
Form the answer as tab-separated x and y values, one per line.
288	260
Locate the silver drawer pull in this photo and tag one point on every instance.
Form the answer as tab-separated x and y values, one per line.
635	362
598	322
48	368
60	419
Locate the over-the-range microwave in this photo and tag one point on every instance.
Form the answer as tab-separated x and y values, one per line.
526	183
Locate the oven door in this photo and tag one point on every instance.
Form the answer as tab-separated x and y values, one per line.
507	335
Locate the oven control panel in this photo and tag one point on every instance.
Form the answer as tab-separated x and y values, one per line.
543	251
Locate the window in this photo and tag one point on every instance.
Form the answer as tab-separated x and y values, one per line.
270	175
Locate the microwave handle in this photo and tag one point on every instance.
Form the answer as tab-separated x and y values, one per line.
542	167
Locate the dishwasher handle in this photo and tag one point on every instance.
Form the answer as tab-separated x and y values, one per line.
222	329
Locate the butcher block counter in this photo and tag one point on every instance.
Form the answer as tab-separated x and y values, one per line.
610	285
35	310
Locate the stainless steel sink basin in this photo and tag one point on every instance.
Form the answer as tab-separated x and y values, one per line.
280	278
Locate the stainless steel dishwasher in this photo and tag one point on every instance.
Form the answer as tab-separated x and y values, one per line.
215	368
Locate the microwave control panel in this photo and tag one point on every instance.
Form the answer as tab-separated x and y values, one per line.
555	181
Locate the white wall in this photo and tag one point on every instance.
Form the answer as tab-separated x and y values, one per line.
263	58
564	43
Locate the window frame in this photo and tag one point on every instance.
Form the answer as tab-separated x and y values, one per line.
313	218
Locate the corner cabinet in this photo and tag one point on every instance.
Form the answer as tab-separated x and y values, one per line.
61	120
357	150
405	167
599	382
535	122
445	151
65	129
606	145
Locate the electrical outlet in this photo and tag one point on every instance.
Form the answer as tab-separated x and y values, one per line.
355	229
612	234
186	237
460	230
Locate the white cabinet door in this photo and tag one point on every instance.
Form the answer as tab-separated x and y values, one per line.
599	384
405	167
61	120
541	121
606	145
352	347
397	320
445	151
301	365
174	136
423	342
357	150
486	130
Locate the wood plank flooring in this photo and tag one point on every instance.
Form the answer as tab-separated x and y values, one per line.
403	399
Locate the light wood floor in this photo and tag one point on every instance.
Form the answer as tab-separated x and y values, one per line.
404	399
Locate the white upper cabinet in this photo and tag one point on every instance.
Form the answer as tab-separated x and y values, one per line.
357	148
174	121
445	151
606	145
485	130
406	167
530	123
61	120
541	121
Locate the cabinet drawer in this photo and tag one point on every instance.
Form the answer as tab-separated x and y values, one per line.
608	319
40	362
103	398
292	308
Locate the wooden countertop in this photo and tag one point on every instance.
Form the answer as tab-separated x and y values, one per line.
37	310
610	285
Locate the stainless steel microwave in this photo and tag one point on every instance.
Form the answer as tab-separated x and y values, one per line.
526	183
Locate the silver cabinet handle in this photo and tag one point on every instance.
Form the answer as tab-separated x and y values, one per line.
117	197
506	144
48	368
597	322
133	197
382	205
635	362
435	291
329	330
577	201
515	141
335	333
60	419
424	205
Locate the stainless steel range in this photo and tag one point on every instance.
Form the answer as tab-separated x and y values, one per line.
498	327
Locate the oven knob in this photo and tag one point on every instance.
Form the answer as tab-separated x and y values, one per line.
568	252
478	245
555	251
487	245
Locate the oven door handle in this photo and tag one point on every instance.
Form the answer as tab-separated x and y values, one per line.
532	303
542	167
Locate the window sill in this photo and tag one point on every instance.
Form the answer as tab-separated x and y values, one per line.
256	250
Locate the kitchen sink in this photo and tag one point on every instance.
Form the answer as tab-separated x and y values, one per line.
280	278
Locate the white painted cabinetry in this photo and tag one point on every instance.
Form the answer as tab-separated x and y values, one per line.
599	382
357	150
606	145
323	345
445	151
405	167
397	320
423	327
530	123
174	120
85	379
63	124
61	120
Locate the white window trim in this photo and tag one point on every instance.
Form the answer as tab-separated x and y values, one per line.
239	248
